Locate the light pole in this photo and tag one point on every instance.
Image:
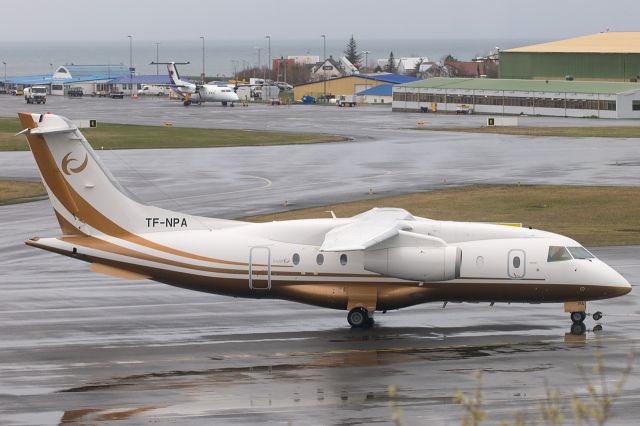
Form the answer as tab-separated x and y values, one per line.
366	59
259	56
4	82
324	59
269	63
202	37
157	60
130	55
131	63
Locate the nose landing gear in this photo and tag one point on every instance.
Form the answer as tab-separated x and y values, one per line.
577	318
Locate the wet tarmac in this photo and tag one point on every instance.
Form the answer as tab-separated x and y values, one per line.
80	348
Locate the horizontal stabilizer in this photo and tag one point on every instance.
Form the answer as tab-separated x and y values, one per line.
112	271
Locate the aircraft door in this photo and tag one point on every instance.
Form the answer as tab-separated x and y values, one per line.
259	268
516	267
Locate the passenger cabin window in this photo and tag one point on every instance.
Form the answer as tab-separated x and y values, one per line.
296	258
320	259
558	253
580	253
343	259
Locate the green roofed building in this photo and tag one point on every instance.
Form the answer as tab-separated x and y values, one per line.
512	96
608	56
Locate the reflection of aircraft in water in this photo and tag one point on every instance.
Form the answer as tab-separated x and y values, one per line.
379	260
199	93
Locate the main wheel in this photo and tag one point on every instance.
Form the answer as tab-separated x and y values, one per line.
358	317
578	317
597	316
224	103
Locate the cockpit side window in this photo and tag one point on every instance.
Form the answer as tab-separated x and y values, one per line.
580	253
558	253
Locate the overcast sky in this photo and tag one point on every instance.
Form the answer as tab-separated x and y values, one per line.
299	19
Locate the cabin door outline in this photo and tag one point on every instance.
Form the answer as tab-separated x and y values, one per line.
516	266
260	268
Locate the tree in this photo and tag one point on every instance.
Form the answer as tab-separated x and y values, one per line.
416	69
351	52
391	64
449	58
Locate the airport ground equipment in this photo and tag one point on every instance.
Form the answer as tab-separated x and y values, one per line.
346	101
75	92
35	95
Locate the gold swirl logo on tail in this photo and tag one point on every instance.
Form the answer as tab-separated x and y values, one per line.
65	164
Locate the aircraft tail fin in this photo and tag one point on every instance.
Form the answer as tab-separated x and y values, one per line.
86	198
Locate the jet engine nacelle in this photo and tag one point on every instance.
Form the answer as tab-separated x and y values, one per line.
416	263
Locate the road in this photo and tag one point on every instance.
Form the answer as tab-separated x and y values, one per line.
79	347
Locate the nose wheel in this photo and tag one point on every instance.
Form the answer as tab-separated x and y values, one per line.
360	318
578	317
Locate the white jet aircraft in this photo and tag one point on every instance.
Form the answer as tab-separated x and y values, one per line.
199	93
379	260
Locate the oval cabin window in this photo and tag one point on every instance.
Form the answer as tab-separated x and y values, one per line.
296	258
516	262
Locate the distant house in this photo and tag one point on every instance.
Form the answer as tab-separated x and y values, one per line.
332	68
404	65
408	65
479	68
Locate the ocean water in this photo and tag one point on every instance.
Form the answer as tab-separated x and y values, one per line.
222	57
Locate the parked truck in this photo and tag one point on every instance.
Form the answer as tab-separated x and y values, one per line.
346	101
35	95
151	90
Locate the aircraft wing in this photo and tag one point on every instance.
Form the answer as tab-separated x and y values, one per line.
374	227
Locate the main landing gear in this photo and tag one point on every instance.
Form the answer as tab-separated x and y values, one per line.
360	318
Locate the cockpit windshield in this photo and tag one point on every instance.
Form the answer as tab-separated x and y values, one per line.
558	253
580	253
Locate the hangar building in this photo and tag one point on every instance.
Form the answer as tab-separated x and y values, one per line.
92	78
609	56
532	97
349	85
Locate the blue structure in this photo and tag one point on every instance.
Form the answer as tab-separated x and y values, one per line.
142	79
389	78
90	77
380	90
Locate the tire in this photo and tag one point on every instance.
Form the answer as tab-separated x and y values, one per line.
578	328
578	317
358	317
597	316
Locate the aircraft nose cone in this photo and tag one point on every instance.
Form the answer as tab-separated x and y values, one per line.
620	284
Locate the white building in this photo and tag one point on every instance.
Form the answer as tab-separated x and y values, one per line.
530	97
403	65
304	59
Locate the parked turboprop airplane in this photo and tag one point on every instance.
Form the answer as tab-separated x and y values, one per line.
199	93
379	260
